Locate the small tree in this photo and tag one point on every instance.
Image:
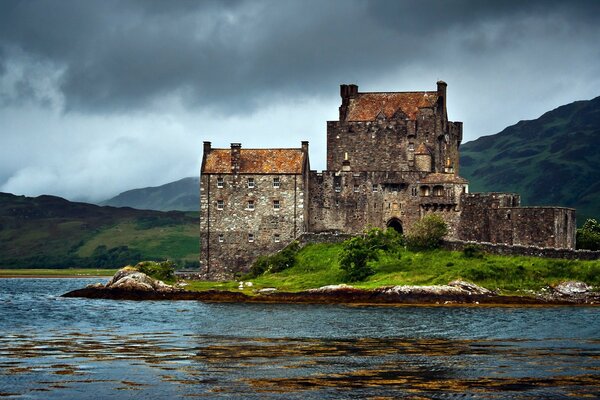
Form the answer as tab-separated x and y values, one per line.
427	233
588	236
358	251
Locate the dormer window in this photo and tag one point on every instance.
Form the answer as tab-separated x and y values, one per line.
250	183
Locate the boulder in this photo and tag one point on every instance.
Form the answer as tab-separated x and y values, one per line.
129	278
469	287
572	288
331	288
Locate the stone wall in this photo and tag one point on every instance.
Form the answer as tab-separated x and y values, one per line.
498	218
533	251
389	144
232	237
350	202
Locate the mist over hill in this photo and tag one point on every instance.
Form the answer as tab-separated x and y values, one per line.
552	160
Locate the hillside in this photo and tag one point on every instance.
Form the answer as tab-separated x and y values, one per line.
181	195
48	231
552	160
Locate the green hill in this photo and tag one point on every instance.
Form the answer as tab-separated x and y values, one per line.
552	160
181	195
48	231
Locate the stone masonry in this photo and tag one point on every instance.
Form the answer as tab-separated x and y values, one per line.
392	158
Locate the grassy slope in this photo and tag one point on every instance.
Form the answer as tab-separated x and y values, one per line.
318	266
552	160
46	230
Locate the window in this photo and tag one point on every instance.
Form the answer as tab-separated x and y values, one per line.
414	191
411	147
221	238
338	189
356	187
276	238
276	205
250	205
220	183
276	183
425	190
251	237
220	204
375	188
250	183
438	190
337	184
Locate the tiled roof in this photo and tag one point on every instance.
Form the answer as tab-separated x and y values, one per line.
367	106
258	161
443	178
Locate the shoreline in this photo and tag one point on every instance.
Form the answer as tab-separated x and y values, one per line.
355	297
39	276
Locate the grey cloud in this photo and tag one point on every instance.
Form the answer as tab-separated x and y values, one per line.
230	56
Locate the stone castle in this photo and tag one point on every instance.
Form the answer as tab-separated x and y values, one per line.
392	157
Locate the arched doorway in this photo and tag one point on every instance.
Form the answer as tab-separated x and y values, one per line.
395	224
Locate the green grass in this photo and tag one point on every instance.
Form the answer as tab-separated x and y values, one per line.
57	272
318	266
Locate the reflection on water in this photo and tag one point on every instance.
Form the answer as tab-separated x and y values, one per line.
73	348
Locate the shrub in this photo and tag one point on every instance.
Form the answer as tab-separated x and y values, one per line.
284	259
164	271
358	251
588	236
427	233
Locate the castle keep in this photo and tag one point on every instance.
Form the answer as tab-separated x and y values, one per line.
392	157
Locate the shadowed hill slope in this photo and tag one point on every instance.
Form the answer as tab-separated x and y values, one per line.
181	195
48	231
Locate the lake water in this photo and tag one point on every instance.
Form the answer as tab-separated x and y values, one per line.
58	348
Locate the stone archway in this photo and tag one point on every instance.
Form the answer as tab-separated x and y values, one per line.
395	224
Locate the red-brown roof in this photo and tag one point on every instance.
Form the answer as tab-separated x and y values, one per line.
256	161
367	106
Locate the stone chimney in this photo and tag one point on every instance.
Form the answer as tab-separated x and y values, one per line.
207	147
305	146
347	92
235	157
441	92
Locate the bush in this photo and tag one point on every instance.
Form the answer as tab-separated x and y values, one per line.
427	234
277	262
588	236
164	271
358	251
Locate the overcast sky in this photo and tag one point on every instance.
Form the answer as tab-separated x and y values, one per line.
99	97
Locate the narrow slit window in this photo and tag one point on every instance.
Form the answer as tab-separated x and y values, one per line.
251	237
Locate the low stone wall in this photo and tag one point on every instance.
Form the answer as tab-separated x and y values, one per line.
503	249
322	237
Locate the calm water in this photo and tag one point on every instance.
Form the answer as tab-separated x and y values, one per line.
55	348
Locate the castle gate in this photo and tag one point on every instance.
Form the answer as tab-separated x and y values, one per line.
395	224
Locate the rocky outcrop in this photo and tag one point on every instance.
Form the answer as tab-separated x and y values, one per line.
573	292
132	285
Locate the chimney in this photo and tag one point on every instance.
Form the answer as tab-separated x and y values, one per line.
441	92
305	146
207	147
235	157
347	92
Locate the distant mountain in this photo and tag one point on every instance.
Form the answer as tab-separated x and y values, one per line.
48	231
181	195
552	160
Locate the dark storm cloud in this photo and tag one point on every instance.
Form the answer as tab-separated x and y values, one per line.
120	56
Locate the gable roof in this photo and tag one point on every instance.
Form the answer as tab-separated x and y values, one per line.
367	106
256	161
